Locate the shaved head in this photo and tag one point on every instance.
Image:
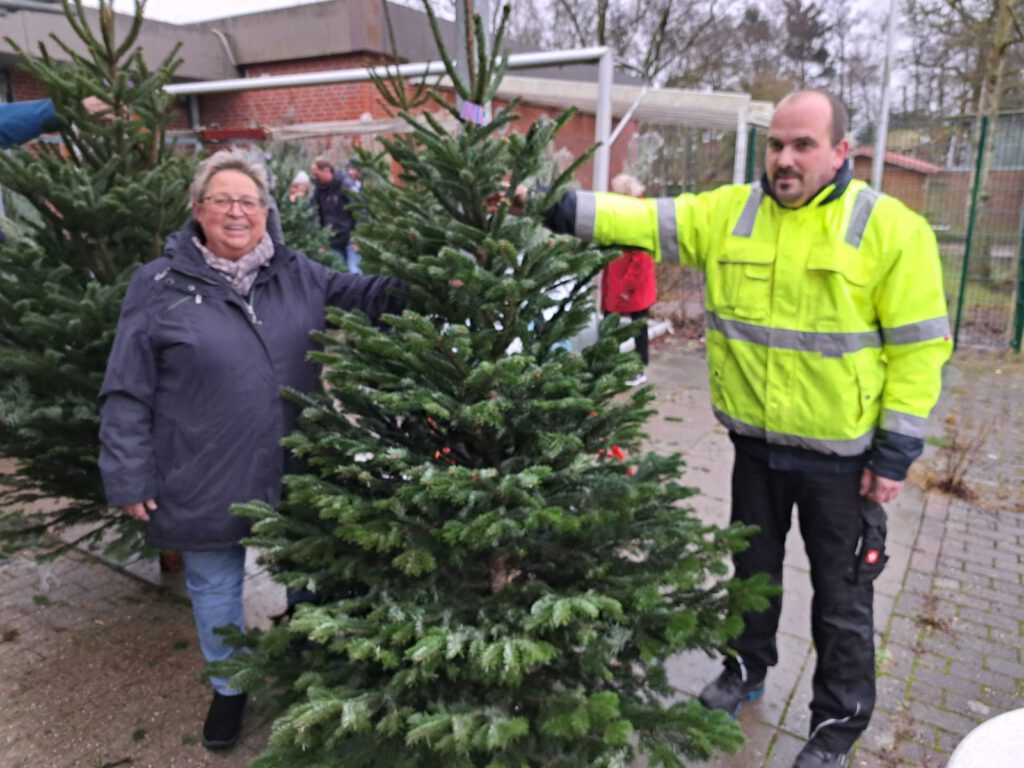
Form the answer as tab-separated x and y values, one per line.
840	124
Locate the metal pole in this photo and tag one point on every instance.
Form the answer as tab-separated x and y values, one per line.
739	160
971	217
603	120
28	5
752	155
624	120
1018	317
878	161
362	74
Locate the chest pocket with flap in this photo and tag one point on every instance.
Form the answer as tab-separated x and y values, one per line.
741	283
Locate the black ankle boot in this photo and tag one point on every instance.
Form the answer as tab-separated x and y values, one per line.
223	723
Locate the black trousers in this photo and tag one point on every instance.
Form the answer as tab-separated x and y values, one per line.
642	340
831	514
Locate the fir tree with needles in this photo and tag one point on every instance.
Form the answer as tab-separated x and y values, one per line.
500	570
95	205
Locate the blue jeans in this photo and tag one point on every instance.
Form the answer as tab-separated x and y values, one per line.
214	581
353	259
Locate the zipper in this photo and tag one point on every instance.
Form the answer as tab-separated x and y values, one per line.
181	301
250	307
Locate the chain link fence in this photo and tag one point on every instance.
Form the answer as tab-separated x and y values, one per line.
932	165
975	204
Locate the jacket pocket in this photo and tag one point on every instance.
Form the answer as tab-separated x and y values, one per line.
870	558
837	292
870	374
742	281
843	260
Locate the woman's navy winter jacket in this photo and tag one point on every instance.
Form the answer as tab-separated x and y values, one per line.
191	411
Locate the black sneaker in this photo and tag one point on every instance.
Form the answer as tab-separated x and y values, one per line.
812	756
728	691
223	724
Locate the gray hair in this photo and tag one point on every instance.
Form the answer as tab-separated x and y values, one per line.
230	160
624	184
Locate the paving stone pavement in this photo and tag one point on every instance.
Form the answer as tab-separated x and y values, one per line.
99	667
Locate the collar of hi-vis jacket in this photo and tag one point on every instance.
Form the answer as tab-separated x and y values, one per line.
831	191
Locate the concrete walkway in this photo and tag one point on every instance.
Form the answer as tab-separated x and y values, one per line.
99	667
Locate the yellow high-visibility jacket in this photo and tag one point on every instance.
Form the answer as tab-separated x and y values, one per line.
825	323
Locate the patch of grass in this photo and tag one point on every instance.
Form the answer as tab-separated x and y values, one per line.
181	645
882	657
189	740
939	442
40	599
9	635
139	734
673	418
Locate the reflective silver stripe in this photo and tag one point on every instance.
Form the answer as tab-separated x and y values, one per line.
862	208
835	721
926	330
586	215
853	447
903	423
668	232
745	226
827	344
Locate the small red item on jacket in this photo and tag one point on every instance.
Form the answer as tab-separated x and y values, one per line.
628	283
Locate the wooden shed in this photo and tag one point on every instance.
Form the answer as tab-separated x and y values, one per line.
903	176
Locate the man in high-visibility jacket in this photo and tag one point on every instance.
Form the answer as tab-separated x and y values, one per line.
826	335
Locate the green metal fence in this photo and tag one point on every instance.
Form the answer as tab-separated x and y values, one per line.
932	165
936	167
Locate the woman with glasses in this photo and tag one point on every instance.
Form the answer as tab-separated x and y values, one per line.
191	412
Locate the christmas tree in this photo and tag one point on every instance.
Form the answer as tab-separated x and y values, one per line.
499	571
99	202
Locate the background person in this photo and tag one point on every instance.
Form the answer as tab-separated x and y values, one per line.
300	186
191	413
628	284
826	335
331	198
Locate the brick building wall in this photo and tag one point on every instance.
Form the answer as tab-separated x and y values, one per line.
24	87
286	106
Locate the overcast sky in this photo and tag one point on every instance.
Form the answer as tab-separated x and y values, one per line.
200	10
182	11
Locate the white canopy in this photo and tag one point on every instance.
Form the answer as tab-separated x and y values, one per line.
665	106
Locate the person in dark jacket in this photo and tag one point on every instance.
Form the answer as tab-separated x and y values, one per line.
331	198
191	413
628	284
21	121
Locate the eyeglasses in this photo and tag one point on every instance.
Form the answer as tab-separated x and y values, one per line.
224	203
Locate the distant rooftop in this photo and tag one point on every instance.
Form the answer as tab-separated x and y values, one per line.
900	161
